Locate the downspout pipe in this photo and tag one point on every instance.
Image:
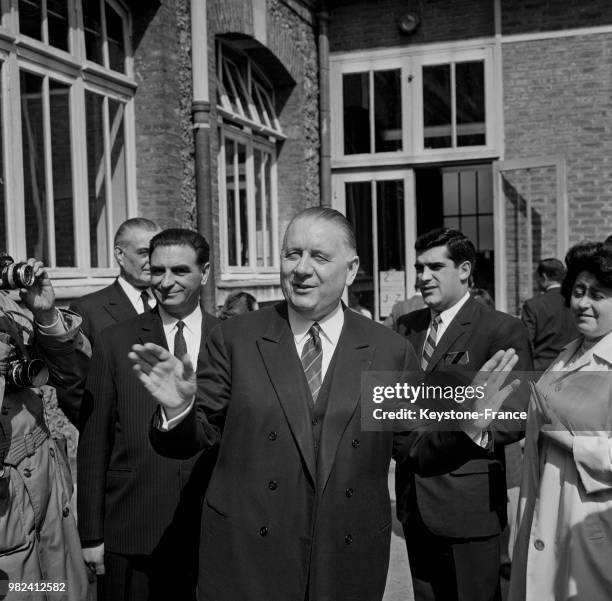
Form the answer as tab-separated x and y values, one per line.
201	133
324	107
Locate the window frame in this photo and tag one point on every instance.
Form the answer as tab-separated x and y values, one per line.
410	61
19	52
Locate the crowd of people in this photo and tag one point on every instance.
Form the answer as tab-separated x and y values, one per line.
224	457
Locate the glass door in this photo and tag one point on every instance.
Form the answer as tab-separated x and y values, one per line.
380	208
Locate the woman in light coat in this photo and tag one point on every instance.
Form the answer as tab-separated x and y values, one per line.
563	548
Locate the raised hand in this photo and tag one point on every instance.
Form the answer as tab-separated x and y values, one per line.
491	377
40	297
172	383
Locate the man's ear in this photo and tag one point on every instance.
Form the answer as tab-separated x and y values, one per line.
205	272
118	252
353	267
465	270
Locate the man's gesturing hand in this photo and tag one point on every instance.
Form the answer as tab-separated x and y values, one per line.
172	383
491	376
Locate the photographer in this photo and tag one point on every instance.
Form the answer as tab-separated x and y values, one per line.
39	544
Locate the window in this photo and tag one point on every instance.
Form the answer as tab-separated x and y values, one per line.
402	104
249	130
68	115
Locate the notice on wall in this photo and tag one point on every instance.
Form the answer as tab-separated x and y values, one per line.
392	289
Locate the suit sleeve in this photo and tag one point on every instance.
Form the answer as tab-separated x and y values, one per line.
95	444
203	425
427	450
67	356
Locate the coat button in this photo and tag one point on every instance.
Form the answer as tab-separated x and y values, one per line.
355	443
263	531
27	473
272	436
539	544
66	512
348	539
349	493
272	485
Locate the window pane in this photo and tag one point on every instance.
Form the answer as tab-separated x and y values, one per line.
93	31
450	189
235	87
437	107
116	111
230	191
467	181
243	208
57	23
388	110
469	226
30	18
390	211
114	34
96	180
269	257
485	191
61	160
259	206
359	214
3	240
356	101
469	82
485	233
34	166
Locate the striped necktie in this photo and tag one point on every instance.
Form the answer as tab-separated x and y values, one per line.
430	342
312	360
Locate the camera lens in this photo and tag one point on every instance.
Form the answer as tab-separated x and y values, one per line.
16	275
28	374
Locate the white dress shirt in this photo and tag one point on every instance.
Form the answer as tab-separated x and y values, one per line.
134	297
447	316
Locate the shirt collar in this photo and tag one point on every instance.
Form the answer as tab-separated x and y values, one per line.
449	314
132	292
331	324
193	321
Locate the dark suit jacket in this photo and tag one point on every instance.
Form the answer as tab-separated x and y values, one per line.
102	309
469	501
550	325
280	515
128	494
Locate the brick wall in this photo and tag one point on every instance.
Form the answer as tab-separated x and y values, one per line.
365	24
522	16
164	141
561	104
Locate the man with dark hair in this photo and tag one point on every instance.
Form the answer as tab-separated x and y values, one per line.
548	321
453	521
137	510
298	505
129	294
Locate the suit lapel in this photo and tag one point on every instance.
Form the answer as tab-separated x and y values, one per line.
118	305
461	323
416	336
353	356
151	329
279	355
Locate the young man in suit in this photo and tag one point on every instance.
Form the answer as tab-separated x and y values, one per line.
453	521
549	322
137	510
130	293
298	504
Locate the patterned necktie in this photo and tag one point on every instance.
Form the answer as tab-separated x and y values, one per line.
144	295
430	342
180	346
312	360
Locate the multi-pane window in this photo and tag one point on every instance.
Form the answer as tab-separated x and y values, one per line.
372	105
68	182
454	105
404	103
247	165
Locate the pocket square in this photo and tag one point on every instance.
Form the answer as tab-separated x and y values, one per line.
457	358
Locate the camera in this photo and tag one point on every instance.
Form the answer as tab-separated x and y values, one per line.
27	373
15	275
